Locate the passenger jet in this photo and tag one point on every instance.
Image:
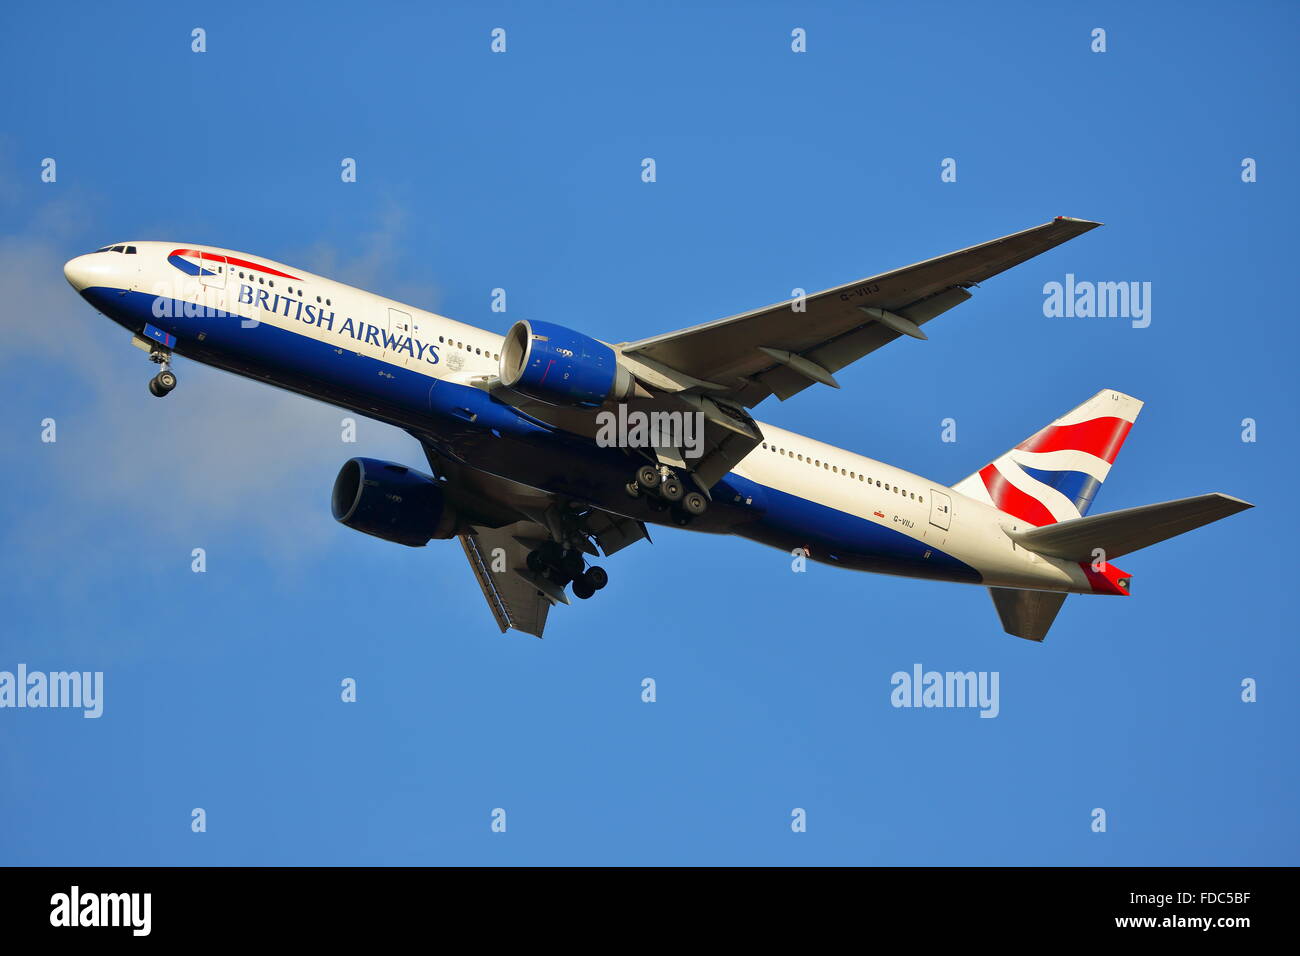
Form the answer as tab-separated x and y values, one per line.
519	470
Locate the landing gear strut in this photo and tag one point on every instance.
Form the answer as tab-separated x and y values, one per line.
162	383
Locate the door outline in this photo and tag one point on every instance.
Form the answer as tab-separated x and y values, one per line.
217	277
398	322
940	509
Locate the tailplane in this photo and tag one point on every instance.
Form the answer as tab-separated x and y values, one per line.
1117	533
1027	614
1049	482
1093	542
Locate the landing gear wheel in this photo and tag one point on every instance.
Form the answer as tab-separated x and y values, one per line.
671	490
695	504
535	562
582	589
550	553
647	477
162	383
572	564
596	577
633	489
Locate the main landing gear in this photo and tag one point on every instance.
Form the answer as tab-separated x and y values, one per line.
664	490
162	383
567	566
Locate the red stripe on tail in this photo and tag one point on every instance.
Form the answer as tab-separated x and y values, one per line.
1100	436
1007	497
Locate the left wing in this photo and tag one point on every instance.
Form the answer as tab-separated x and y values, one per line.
780	351
508	521
499	559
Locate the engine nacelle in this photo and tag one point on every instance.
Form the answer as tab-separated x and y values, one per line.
561	367
392	502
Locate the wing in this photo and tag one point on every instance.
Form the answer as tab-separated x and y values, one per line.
498	557
780	351
507	520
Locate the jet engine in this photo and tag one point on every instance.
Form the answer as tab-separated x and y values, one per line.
392	502
558	366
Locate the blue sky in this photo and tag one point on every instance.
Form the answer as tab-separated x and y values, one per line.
521	170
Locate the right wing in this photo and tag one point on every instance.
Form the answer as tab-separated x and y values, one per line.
779	351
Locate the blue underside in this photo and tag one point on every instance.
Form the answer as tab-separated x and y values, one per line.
470	426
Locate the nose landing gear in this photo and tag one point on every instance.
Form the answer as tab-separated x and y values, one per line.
162	383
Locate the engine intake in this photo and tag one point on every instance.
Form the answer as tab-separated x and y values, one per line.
392	502
558	366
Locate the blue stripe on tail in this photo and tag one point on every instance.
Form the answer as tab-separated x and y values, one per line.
1080	488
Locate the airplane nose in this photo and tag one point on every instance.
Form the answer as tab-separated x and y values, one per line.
85	271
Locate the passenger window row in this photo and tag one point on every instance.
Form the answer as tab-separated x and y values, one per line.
468	347
262	280
837	470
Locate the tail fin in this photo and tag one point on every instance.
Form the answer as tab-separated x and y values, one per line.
1055	474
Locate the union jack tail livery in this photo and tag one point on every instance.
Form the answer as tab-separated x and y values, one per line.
1055	474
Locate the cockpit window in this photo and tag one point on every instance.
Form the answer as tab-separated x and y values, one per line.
119	248
105	249
130	250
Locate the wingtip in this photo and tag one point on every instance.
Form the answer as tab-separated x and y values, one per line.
1236	501
1085	224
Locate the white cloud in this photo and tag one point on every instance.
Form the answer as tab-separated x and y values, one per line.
219	453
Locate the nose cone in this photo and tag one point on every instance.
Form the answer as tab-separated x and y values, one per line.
86	271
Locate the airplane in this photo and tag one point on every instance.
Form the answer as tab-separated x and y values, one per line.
512	429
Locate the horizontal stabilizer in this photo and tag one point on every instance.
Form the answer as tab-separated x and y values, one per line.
1119	532
1027	614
